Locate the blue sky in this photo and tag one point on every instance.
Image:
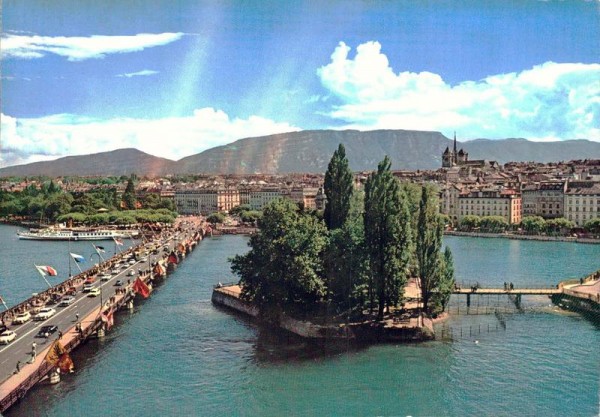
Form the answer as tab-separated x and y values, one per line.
174	78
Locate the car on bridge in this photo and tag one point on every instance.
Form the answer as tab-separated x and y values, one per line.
44	314
66	301
114	271
7	336
105	277
22	318
46	331
94	292
119	283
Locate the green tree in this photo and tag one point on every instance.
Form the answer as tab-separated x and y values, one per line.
534	225
238	210
593	226
216	218
345	260
283	269
560	225
129	198
443	291
387	237
428	245
470	222
338	189
493	224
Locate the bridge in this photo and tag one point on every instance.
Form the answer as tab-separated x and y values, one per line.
22	366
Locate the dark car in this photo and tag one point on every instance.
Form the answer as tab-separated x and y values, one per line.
118	283
46	331
3	328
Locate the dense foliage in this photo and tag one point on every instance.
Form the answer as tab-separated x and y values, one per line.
296	264
338	189
98	206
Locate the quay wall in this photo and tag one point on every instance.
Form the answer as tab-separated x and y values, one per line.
524	237
361	332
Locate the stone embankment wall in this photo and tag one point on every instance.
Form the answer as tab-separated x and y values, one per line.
363	332
524	237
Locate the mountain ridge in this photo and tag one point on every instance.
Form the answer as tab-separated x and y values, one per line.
309	151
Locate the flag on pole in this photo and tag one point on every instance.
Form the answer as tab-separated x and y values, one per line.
46	270
108	318
118	241
141	288
173	258
100	248
77	258
58	356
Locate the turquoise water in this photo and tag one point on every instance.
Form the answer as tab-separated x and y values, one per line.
177	354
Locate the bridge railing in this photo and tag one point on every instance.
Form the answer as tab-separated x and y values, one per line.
471	284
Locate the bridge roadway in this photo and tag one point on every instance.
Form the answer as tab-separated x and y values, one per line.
84	305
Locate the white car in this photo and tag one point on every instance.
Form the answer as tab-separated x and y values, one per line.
45	314
114	271
22	318
95	292
132	262
67	301
7	337
87	287
105	277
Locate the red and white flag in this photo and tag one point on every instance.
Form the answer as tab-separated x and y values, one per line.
118	241
108	318
141	288
46	270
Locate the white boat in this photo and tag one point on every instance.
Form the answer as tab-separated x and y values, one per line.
69	234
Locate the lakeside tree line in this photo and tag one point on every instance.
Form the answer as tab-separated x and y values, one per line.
99	206
533	225
356	257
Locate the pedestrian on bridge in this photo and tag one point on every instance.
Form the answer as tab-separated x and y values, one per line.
76	316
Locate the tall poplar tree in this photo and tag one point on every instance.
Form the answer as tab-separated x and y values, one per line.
387	237
429	243
129	194
338	189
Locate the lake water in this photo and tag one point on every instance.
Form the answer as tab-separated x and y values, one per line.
178	355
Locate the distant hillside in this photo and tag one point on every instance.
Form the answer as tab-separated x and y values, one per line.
118	162
310	151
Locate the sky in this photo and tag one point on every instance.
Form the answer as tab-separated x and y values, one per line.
174	78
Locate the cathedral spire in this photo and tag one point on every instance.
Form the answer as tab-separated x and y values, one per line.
455	141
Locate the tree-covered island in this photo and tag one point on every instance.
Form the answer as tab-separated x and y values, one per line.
354	261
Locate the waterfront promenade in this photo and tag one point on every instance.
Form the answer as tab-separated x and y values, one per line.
20	370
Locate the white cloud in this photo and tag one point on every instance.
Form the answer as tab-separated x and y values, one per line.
138	73
30	140
548	101
77	48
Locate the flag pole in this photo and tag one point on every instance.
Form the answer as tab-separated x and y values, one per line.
98	252
76	263
43	275
3	303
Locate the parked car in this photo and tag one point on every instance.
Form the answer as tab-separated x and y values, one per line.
7	336
66	301
87	287
132	262
95	292
118	283
105	277
45	313
90	280
22	318
46	331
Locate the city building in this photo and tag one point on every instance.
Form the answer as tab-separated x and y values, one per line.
545	199
582	201
491	202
